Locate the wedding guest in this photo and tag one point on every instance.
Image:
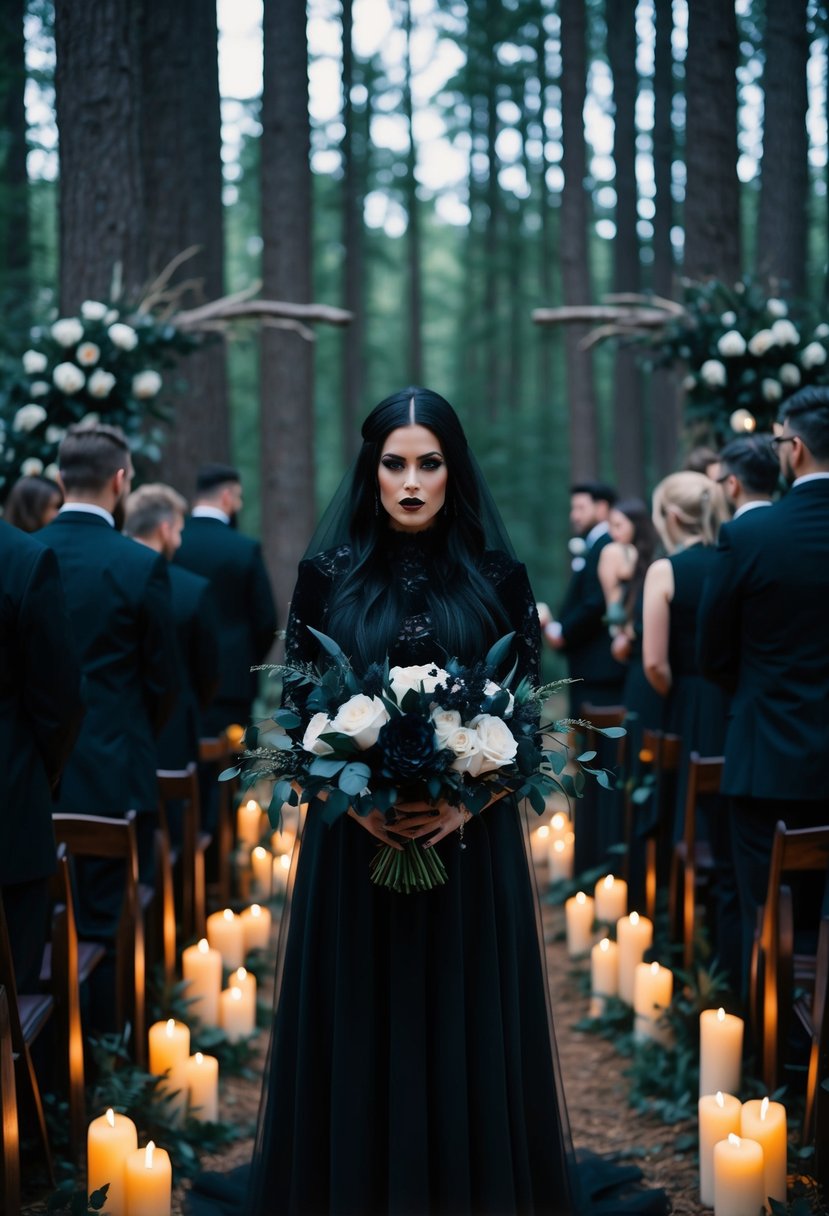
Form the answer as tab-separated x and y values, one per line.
40	712
155	517
749	473
33	502
762	637
703	459
233	564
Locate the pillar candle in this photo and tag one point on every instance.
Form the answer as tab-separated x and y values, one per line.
539	839
579	911
634	934
203	1087
604	975
765	1122
169	1046
560	859
719	1115
235	1012
283	842
652	990
560	825
261	862
149	1182
720	1051
249	822
224	933
202	971
109	1141
738	1177
246	980
611	899
281	870
256	930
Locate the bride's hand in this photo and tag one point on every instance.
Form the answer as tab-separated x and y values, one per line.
435	821
375	823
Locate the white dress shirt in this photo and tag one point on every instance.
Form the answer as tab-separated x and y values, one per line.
90	508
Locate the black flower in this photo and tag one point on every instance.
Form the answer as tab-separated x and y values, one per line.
409	746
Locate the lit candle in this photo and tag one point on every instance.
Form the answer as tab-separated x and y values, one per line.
246	980
202	971
560	859
559	825
652	990
235	736
539	839
738	1177
720	1051
249	822
281	870
149	1182
235	1014
283	842
169	1046
579	913
604	975
719	1115
765	1122
224	933
261	861
611	899
634	934
256	929
109	1141
203	1087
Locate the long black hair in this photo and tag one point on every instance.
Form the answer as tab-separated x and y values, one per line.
367	606
645	541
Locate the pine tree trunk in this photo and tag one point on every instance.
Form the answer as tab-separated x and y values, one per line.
492	387
15	247
287	395
181	160
414	302
97	103
354	152
575	269
712	201
545	261
782	226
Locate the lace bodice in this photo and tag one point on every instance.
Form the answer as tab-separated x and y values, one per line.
416	642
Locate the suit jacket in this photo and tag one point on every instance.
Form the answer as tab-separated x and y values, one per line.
233	564
587	641
197	633
40	703
762	635
118	595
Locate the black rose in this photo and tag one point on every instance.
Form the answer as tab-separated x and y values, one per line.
409	746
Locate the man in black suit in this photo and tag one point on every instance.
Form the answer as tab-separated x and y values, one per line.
762	635
233	565
749	473
40	712
118	596
155	518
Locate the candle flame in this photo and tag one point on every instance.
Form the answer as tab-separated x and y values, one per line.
110	1117
255	910
285	861
559	821
764	1108
171	1027
236	994
228	914
253	805
559	846
720	1098
199	1058
259	852
604	944
654	968
608	882
634	918
241	974
204	946
148	1156
732	1139
543	832
581	898
720	1014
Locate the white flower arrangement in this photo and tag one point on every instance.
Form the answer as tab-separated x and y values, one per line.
146	384
28	417
761	343
68	378
785	333
67	331
39	388
93	310
790	375
34	362
814	355
32	467
123	336
713	373
88	354
772	389
777	308
732	344
100	383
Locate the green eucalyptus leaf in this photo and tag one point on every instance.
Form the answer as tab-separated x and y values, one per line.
354	778
498	652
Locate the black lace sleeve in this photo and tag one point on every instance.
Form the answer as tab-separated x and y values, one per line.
513	586
309	606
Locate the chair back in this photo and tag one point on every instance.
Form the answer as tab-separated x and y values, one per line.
704	777
65	982
9	1127
218	753
181	786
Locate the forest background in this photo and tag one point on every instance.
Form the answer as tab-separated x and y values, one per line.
439	168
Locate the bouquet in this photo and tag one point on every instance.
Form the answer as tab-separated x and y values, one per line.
432	732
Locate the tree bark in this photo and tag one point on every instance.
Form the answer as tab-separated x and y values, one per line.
545	261
97	103
628	412
354	151
573	252
181	162
287	398
413	243
15	246
712	201
782	225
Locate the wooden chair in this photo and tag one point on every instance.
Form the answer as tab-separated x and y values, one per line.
115	840
692	862
9	1129
219	753
783	983
28	1013
816	1111
666	751
182	786
162	920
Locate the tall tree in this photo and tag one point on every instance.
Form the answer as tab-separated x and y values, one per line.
413	241
545	260
287	398
15	249
182	167
97	103
712	198
782	226
628	412
573	251
354	152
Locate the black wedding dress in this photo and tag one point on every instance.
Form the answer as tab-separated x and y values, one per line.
413	1069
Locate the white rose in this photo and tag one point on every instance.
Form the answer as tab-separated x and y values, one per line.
69	378
54	434
496	741
110	316
732	344
28	417
822	331
68	331
464	742
713	373
784	333
90	419
426	676
771	390
813	355
32	467
689	384
93	310
361	719
101	383
790	375
728	319
777	308
146	384
39	388
51	471
34	361
319	725
762	341
123	336
88	354
446	722
491	688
